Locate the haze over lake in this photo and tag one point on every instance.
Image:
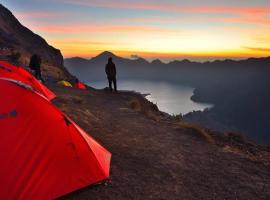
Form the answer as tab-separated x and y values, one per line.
170	98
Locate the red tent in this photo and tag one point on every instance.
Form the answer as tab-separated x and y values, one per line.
43	153
80	85
10	71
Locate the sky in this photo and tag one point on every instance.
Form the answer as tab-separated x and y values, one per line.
165	29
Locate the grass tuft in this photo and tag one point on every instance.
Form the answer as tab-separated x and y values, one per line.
201	132
135	105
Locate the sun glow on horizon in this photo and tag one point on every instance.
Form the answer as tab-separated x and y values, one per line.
154	29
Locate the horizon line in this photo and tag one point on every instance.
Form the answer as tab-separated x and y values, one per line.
191	58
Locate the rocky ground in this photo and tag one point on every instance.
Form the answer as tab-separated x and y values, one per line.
161	157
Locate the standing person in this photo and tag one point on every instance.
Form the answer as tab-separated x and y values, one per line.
35	63
111	74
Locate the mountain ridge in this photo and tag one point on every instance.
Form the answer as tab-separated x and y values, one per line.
108	54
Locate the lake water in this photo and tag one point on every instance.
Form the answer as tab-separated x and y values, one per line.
170	98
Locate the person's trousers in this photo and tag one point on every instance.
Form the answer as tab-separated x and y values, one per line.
112	80
38	75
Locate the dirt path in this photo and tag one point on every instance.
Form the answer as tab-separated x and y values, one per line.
153	158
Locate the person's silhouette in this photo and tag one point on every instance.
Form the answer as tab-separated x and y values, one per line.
111	74
35	63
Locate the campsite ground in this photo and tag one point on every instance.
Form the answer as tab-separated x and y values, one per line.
160	157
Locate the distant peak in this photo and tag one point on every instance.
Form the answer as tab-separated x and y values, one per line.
157	61
186	61
106	54
76	58
140	59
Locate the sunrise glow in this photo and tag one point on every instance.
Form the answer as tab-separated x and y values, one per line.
151	29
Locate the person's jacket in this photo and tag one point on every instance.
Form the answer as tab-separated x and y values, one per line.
110	69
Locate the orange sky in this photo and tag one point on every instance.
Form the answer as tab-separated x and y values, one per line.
151	29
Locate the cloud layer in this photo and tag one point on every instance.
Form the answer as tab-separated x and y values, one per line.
189	27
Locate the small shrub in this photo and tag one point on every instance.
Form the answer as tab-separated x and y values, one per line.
14	57
201	132
135	105
178	117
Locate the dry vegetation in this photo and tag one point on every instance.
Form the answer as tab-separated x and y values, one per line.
159	157
198	130
135	105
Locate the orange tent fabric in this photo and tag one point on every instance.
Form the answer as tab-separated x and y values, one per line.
43	153
80	85
10	71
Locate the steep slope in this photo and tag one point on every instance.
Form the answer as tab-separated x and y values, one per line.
15	37
156	157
